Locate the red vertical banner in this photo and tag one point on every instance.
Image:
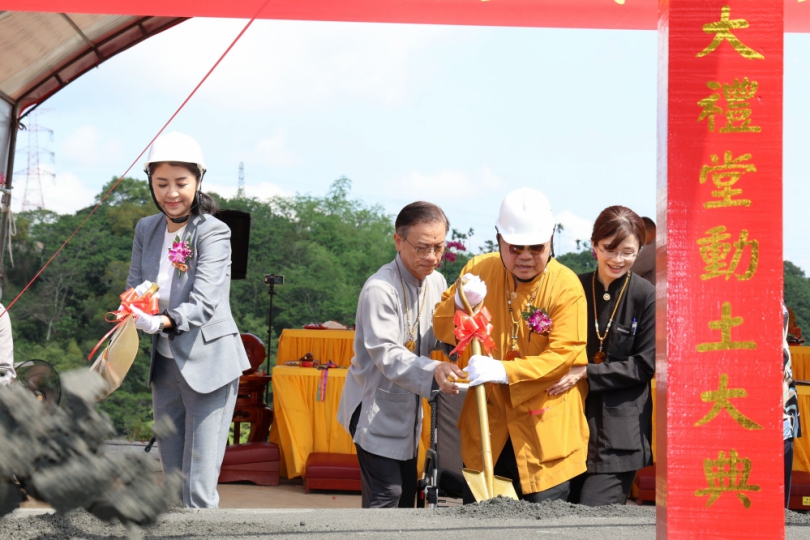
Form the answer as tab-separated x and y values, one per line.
719	363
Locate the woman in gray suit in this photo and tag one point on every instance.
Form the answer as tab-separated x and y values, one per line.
197	354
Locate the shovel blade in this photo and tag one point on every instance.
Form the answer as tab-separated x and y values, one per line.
504	488
478	485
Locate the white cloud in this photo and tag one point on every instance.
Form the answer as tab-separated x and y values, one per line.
283	63
272	151
88	147
574	228
261	191
447	184
64	194
491	181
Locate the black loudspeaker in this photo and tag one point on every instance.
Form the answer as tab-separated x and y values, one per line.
239	223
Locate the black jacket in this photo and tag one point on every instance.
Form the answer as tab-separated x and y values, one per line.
619	403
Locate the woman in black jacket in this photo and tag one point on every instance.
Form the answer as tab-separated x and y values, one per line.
621	362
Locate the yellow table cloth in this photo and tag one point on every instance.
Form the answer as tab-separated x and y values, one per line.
800	357
325	345
304	425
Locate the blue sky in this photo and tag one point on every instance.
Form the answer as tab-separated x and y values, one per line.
456	115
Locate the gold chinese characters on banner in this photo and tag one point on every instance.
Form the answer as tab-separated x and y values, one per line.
728	111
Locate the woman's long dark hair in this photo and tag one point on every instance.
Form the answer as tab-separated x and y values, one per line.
203	203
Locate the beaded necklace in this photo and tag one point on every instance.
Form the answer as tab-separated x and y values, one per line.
599	357
411	343
514	351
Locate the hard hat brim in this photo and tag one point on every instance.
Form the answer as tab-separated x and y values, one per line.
527	239
540	235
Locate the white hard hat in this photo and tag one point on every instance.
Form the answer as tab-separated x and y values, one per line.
178	147
525	218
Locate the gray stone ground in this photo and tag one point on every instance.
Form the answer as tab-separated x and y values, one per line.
494	519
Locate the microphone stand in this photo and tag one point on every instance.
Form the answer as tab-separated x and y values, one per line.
272	293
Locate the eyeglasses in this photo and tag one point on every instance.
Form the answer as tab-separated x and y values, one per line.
424	252
617	254
536	249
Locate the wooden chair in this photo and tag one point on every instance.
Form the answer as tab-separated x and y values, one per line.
257	460
250	406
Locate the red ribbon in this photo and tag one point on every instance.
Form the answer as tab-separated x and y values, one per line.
473	327
320	395
129	299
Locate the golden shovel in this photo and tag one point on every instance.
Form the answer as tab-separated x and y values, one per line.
484	485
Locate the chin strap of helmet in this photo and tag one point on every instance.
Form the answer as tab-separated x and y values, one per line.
194	205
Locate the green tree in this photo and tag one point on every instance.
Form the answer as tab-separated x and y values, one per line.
326	247
797	294
61	316
489	247
578	261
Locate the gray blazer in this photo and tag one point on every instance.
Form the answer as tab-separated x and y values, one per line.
385	377
207	347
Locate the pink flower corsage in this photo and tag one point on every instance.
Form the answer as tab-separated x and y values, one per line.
179	253
537	320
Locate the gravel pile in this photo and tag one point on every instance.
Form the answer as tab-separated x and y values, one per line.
489	520
797	518
504	508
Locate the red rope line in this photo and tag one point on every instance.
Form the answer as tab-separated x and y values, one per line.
121	177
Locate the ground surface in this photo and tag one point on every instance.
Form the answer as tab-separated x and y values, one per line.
492	520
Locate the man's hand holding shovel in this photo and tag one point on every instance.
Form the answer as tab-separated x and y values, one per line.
446	375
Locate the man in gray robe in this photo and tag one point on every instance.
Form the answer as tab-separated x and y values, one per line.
392	370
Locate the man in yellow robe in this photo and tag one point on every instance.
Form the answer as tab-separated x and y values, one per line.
539	441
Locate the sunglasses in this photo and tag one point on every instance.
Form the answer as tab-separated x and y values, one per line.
536	249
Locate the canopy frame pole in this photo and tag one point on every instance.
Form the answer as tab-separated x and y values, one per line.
5	201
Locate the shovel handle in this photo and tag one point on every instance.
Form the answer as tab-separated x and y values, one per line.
481	401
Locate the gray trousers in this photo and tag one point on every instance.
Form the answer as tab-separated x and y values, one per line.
384	482
202	423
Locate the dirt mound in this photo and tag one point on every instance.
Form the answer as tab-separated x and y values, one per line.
796	518
503	508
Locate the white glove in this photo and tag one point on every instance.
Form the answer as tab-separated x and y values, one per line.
474	289
483	369
7	376
141	289
143	321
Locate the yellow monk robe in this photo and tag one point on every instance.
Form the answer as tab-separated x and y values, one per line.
549	433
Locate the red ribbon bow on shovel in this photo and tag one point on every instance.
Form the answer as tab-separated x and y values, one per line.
469	327
129	299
